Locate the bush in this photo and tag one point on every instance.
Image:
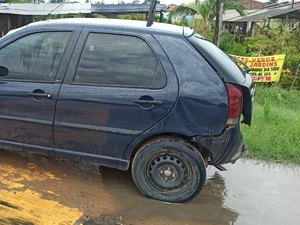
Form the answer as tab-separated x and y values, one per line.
227	41
230	46
292	61
237	49
287	80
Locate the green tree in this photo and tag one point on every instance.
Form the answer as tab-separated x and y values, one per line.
207	9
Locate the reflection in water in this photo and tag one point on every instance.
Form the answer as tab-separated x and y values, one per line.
208	207
250	192
263	193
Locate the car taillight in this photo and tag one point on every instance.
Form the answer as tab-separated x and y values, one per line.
235	102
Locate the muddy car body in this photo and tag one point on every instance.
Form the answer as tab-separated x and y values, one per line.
160	99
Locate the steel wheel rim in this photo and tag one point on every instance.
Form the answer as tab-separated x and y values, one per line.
168	172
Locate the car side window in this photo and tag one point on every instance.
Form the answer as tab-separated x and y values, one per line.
119	60
35	57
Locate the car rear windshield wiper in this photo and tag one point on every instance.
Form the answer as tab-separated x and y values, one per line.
237	61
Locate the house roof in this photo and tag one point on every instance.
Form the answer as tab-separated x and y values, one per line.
266	13
252	4
72	8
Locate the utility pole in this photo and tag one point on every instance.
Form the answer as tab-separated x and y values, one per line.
293	3
151	13
219	21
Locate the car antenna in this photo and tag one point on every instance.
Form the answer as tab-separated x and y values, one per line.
151	13
45	17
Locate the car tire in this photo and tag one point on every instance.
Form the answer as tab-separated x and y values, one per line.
169	170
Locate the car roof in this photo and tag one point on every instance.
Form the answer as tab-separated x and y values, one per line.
116	23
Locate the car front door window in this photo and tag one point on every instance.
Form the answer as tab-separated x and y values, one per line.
35	57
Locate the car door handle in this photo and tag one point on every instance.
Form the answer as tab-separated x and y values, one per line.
151	102
40	95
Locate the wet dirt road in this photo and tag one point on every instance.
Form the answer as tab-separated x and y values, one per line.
40	190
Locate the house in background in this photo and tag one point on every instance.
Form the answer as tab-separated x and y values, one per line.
272	15
252	4
257	13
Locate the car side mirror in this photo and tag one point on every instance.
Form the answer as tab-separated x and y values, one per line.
3	71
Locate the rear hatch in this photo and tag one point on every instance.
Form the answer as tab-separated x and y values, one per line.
228	71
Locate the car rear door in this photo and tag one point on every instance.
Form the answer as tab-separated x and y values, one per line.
37	63
117	86
229	71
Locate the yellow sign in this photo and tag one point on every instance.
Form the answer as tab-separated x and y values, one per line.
264	68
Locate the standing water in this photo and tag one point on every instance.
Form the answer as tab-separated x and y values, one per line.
250	192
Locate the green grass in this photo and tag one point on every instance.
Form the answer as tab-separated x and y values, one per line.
275	130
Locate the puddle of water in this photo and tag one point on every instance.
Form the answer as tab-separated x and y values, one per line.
263	193
36	190
250	192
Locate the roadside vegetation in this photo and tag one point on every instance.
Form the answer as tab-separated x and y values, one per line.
269	41
275	130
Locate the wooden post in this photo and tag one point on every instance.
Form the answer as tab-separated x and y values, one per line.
295	77
219	22
253	30
8	23
151	13
161	16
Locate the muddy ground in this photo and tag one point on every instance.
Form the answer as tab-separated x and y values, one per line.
41	190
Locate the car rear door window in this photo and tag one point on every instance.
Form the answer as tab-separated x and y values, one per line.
119	60
35	57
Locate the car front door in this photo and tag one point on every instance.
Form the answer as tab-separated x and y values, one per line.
116	88
36	64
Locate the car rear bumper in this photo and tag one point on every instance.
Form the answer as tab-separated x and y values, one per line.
226	148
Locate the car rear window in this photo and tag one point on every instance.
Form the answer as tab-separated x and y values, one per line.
119	60
224	65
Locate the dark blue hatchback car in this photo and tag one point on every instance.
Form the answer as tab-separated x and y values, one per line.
160	100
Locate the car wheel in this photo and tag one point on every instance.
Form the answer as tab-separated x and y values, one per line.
169	169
